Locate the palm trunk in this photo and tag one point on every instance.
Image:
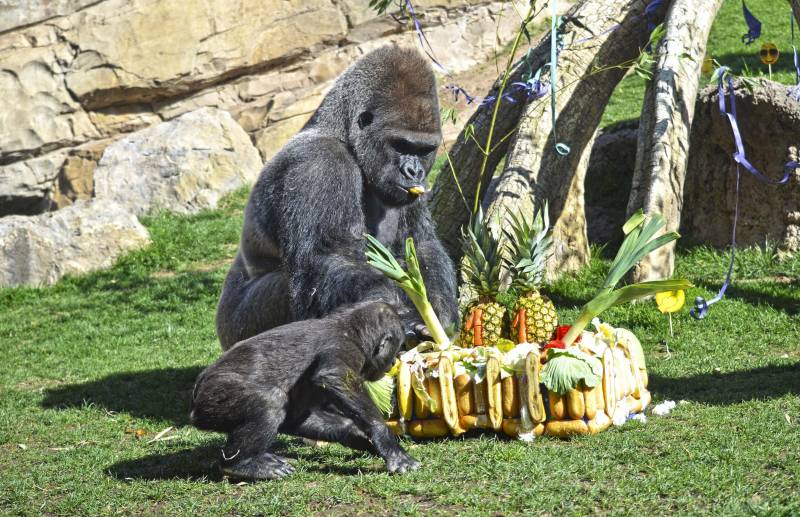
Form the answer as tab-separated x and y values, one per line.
609	33
663	145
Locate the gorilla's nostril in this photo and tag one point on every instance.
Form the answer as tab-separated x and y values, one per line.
412	169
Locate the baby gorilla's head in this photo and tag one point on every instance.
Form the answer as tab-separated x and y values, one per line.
379	331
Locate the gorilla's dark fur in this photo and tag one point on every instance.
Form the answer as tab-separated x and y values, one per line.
304	379
348	172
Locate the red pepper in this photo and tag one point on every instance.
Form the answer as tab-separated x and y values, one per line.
561	331
555	343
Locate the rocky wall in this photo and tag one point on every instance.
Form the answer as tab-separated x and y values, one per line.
77	75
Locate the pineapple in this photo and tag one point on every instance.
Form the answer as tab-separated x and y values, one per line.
483	322
530	245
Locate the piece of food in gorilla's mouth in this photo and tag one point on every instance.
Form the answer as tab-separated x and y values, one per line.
417	190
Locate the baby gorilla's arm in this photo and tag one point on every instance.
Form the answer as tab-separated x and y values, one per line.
345	388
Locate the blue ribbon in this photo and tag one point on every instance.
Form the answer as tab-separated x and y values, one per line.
650	13
423	40
701	306
753	26
795	92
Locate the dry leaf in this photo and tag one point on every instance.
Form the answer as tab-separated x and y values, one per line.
140	433
161	433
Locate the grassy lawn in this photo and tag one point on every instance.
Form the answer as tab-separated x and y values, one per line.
94	359
725	45
97	366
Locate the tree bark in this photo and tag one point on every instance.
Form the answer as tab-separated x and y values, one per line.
534	170
447	206
662	150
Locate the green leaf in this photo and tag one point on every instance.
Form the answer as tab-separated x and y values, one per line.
380	392
632	292
633	222
564	370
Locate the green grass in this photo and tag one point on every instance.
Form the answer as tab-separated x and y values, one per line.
725	45
93	359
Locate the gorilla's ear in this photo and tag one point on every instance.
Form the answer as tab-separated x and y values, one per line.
364	119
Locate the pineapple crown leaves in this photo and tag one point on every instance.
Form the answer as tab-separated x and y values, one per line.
482	262
530	245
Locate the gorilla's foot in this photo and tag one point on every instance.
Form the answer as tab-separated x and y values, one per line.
401	462
262	466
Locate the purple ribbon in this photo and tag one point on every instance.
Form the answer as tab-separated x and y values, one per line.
794	93
423	40
739	156
701	306
533	89
753	26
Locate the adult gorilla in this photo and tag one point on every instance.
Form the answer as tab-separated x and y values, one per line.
358	166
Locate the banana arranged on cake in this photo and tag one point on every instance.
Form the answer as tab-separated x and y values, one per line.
559	381
523	392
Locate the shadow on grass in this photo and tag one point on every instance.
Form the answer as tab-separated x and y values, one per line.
756	295
161	394
198	464
730	388
201	464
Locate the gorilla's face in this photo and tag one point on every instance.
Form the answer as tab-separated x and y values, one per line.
395	140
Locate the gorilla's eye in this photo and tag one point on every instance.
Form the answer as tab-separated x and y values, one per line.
364	119
386	340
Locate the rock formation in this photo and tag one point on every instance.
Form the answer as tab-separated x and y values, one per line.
182	165
78	75
87	235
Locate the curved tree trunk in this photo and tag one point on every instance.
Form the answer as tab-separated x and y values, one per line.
447	205
796	10
662	150
534	170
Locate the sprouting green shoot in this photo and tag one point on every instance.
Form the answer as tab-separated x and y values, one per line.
410	282
640	239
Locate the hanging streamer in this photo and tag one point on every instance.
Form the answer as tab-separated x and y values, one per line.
753	26
795	92
423	40
701	306
555	42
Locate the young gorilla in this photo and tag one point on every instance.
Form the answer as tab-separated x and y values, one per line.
304	379
358	166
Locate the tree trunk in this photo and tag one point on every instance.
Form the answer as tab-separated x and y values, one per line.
447	206
534	170
662	149
796	10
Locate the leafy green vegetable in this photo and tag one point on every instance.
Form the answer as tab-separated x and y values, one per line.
640	232
380	392
411	282
565	369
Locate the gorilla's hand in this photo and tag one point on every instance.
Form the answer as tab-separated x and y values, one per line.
414	327
401	463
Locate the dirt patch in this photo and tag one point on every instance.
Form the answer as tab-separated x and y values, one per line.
39	384
373	505
200	267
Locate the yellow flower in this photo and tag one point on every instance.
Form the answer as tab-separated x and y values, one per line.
670	301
